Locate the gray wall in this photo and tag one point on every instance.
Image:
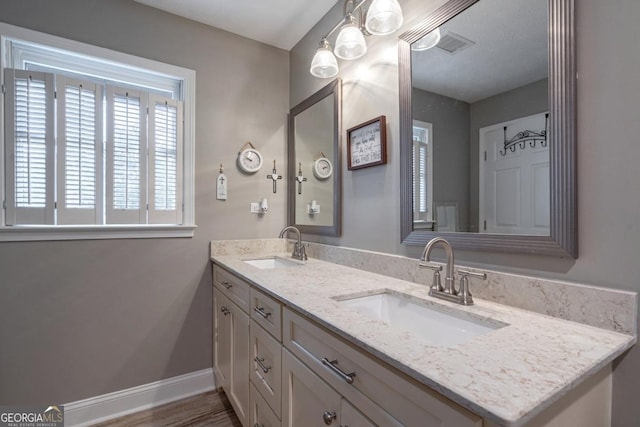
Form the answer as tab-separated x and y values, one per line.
450	119
83	318
520	102
608	153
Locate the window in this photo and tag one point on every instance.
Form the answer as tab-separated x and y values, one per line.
422	171
98	144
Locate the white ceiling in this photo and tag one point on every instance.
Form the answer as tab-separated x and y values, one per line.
280	23
510	38
510	51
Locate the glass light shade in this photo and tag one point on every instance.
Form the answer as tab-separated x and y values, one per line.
350	43
383	17
428	41
324	64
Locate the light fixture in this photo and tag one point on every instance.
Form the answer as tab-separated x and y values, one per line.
350	43
428	41
383	17
324	64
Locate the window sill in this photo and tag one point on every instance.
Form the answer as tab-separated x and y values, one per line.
20	233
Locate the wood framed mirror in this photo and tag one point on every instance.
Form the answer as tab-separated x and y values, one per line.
559	238
314	202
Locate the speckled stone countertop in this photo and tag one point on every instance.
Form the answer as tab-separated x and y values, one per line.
508	375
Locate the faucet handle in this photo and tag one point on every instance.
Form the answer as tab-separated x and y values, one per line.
299	252
302	252
464	294
468	273
436	285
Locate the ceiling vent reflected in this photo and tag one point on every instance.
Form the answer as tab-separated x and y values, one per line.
453	43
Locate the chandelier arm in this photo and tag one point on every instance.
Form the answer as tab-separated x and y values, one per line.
356	7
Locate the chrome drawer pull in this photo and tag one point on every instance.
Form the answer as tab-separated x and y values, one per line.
259	361
224	310
261	312
227	285
332	366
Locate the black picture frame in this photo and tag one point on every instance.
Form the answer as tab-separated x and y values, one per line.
367	144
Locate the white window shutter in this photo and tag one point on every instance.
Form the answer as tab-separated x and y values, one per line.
126	192
29	108
422	171
79	151
165	160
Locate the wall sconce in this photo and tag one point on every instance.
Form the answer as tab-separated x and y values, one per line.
382	17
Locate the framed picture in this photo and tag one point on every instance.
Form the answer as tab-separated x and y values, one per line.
367	144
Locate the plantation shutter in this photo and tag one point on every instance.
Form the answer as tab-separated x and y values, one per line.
79	150
29	106
419	179
165	160
422	173
126	192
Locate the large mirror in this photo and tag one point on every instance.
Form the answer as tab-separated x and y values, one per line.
314	153
487	127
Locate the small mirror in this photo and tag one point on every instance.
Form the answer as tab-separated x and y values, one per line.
314	153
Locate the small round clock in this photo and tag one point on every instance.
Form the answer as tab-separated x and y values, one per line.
322	168
250	160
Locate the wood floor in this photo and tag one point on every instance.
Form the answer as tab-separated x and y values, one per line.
208	409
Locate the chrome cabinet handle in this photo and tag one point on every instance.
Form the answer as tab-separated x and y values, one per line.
259	361
261	312
224	310
227	285
328	417
332	366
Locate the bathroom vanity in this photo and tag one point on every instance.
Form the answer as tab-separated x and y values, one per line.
300	343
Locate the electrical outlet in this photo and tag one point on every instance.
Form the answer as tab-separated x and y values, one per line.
255	208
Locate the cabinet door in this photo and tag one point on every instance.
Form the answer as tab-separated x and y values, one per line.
221	339
351	417
307	400
238	391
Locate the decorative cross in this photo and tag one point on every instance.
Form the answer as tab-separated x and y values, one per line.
274	177
300	178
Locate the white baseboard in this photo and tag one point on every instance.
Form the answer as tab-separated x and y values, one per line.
112	405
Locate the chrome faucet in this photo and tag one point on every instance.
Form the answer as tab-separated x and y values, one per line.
449	279
449	291
298	249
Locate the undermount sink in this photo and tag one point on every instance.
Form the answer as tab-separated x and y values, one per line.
426	321
271	262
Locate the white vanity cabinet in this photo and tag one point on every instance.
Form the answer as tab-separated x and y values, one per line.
309	401
260	413
231	340
387	397
283	369
265	334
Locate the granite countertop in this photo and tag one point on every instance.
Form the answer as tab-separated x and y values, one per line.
508	375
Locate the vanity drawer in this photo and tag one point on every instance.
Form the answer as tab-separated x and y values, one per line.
335	360
260	414
266	366
267	312
234	288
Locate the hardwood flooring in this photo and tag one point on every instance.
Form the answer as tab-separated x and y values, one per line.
207	409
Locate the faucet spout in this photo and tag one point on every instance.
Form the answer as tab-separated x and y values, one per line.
449	280
298	249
